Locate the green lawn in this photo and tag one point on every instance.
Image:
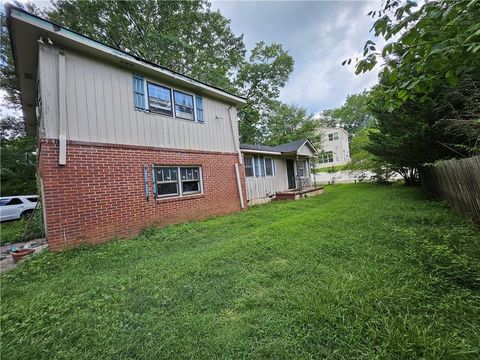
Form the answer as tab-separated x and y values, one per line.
362	271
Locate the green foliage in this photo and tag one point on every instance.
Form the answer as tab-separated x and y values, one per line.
24	229
185	36
287	123
17	172
348	274
430	45
353	116
260	80
426	104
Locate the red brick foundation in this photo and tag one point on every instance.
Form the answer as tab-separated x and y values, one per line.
100	193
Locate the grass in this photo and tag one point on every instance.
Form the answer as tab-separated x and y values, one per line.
14	231
362	271
11	231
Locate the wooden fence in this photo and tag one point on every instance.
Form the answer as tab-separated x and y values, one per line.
457	182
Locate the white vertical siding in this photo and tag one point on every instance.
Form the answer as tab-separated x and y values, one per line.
262	186
100	109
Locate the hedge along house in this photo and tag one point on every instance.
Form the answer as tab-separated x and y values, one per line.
270	170
122	143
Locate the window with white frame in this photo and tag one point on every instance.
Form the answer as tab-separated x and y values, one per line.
248	165
333	136
326	157
159	99
183	105
173	181
302	168
269	166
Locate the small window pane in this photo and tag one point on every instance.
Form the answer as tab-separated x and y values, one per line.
190	186
183	105
248	164
269	166
32	199
159	99
168	189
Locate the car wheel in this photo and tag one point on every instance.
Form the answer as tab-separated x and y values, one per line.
26	214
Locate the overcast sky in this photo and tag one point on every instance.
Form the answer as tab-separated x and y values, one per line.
319	35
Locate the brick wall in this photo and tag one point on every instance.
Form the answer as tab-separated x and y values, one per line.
100	194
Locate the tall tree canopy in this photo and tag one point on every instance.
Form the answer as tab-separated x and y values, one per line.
186	36
427	102
353	115
291	122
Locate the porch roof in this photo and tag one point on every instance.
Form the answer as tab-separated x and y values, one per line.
282	149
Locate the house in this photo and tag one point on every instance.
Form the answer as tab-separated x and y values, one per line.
122	143
335	149
270	170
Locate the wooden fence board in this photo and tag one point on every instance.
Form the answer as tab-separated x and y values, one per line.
457	182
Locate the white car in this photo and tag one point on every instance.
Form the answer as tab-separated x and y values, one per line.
15	207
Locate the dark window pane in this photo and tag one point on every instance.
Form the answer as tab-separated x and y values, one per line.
269	166
191	186
167	189
13	201
32	199
190	173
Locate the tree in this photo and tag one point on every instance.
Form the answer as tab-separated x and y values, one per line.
353	115
291	122
185	36
17	172
430	45
259	80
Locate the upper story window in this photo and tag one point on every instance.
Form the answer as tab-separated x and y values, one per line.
159	99
164	100
333	136
183	105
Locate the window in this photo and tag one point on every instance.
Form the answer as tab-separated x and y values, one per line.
33	199
177	180
183	105
248	164
269	166
326	157
333	136
159	99
301	168
190	180
12	201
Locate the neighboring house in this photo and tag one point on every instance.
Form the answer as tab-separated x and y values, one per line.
122	143
273	169
335	149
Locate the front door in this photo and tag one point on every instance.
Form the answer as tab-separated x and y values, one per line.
290	174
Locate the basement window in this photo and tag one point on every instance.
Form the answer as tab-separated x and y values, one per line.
172	181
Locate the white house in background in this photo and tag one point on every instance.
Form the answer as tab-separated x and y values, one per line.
335	149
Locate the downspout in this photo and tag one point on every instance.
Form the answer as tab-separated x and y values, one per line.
240	160
62	110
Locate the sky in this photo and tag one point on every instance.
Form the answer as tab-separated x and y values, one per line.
319	35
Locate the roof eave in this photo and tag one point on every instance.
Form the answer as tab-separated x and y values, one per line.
78	39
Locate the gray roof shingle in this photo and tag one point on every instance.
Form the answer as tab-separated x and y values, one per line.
290	147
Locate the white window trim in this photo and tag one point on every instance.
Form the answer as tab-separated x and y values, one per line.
172	96
253	166
179	182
